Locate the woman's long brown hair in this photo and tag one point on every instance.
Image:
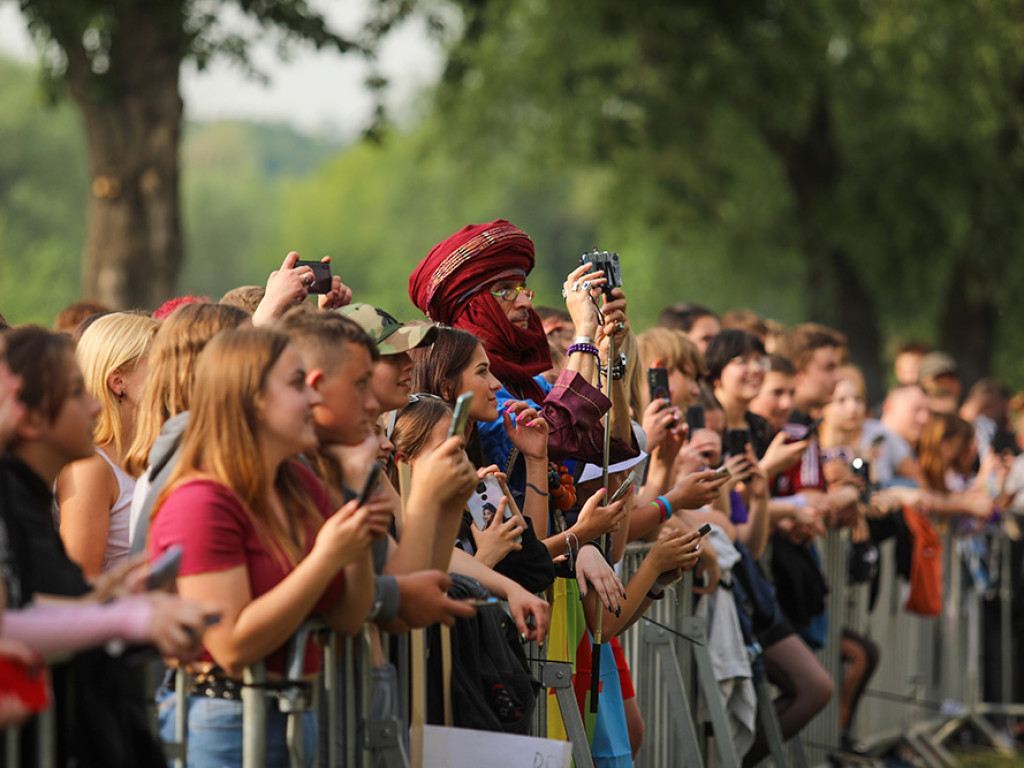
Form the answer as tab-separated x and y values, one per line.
222	438
942	427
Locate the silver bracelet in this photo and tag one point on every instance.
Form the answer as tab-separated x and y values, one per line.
583	340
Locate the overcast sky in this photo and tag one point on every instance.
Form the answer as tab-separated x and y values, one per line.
315	91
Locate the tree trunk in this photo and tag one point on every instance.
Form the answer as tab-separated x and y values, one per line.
133	242
835	290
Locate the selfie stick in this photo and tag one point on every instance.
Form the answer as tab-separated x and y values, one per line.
595	655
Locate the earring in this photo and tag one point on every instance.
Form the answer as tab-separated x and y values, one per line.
120	397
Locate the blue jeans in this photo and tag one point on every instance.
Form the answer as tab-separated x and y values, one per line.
215	732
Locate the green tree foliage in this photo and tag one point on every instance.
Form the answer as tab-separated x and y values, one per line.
120	62
877	141
232	177
378	209
42	179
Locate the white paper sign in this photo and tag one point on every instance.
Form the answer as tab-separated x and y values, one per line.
467	748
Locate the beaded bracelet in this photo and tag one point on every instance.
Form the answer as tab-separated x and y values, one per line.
665	508
618	368
588	348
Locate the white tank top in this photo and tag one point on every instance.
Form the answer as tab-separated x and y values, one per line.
118	530
117	534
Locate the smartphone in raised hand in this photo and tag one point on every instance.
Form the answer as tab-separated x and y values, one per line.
321	275
621	490
461	416
657	385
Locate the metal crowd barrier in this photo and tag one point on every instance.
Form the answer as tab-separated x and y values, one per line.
926	688
927	685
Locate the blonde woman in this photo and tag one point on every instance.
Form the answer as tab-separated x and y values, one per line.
94	495
163	414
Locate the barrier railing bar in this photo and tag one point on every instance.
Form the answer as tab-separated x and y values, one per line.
558	675
254	717
656	635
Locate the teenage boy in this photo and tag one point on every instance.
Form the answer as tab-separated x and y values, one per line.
394	341
774	401
340	361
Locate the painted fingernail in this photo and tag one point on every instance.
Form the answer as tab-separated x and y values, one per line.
618	612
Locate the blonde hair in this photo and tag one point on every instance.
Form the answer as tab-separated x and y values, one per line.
673	348
222	437
118	341
169	380
636	390
853	374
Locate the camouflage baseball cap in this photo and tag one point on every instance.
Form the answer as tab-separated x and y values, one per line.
391	336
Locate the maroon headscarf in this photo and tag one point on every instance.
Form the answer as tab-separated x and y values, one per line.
451	286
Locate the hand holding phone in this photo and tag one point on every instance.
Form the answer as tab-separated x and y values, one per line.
164	571
321	275
621	490
695	418
657	385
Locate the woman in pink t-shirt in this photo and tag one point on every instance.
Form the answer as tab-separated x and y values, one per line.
257	534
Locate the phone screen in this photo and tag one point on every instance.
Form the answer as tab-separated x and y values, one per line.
695	418
321	275
657	383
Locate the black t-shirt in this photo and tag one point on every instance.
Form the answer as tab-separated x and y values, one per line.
38	562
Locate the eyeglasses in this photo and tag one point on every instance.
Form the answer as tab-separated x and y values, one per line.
511	294
750	362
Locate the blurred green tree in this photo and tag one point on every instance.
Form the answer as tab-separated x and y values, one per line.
120	62
878	142
42	179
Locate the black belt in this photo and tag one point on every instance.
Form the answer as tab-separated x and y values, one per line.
212	685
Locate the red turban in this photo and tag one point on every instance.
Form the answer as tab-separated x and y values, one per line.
450	286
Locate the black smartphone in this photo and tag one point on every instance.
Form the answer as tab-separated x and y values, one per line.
695	418
321	275
165	570
812	428
461	416
607	263
704	530
736	441
735	444
657	384
372	479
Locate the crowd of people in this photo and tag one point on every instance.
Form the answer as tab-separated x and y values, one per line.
291	460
